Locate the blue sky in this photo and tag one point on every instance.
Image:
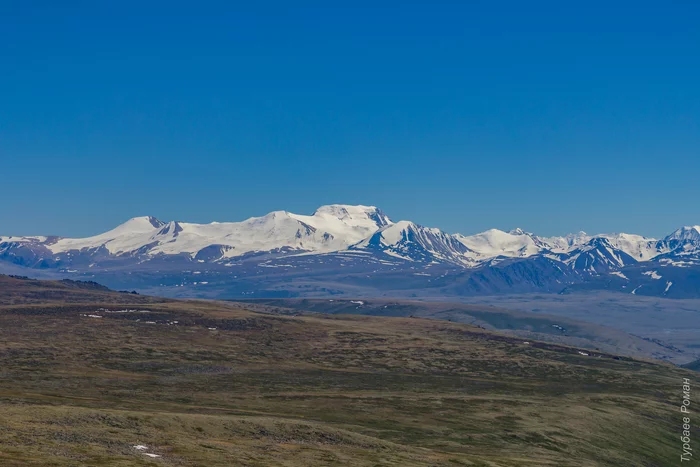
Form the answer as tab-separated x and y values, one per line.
458	115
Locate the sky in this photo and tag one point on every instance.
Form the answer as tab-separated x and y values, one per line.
550	116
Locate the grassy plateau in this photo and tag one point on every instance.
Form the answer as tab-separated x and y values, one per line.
87	375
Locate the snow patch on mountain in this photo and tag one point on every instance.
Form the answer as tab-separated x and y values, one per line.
652	274
619	274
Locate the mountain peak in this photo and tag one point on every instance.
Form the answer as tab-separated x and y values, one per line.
347	222
689	232
410	241
140	224
495	242
393	233
344	209
353	212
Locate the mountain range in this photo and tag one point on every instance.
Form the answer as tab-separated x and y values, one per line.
359	249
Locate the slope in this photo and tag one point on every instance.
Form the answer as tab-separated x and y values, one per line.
207	383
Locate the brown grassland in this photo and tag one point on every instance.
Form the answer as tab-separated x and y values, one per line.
212	384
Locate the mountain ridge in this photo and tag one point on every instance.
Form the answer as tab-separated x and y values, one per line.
365	234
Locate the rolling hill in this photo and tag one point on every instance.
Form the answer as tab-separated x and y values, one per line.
94	377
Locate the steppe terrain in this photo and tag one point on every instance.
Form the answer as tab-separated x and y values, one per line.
92	377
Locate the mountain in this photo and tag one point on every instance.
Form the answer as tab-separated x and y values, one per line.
597	256
683	245
341	247
494	242
685	234
413	242
566	243
330	228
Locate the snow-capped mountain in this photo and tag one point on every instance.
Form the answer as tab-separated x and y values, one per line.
494	243
330	228
413	242
685	234
638	247
599	255
566	243
355	239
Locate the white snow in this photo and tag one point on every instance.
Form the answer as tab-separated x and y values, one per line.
140	447
32	239
395	255
495	242
392	234
619	274
400	239
652	274
691	232
338	228
638	247
330	228
668	286
677	264
566	243
105	310
351	223
128	236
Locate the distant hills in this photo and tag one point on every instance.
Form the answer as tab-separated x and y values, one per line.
358	249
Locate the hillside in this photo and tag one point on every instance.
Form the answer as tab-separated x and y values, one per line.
17	290
695	365
529	326
93	377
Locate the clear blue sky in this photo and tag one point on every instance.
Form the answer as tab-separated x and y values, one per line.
551	116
